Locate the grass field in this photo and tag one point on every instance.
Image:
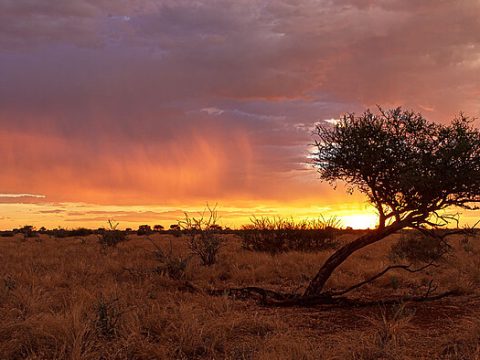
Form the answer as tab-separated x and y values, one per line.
72	299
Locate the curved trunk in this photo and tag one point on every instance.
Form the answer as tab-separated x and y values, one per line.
336	259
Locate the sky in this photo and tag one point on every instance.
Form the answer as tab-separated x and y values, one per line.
139	110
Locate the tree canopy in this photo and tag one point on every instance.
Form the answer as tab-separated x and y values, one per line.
407	166
410	169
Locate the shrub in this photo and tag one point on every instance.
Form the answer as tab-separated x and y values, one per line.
112	236
204	236
419	248
107	318
175	230
59	233
144	230
28	231
466	244
158	228
171	265
80	232
276	235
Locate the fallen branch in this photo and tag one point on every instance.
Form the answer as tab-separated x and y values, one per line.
274	298
383	272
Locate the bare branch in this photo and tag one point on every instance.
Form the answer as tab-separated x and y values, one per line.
380	274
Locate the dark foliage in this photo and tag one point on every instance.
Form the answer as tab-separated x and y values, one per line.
144	230
112	237
405	164
416	248
280	235
409	168
28	231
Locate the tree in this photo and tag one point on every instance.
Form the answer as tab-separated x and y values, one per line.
410	169
158	228
144	230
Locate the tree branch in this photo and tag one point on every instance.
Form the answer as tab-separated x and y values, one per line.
381	273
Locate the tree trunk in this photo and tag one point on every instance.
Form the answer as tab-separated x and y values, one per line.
336	259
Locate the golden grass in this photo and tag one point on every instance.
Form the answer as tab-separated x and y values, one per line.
69	299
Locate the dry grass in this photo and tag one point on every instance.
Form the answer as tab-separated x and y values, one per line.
73	299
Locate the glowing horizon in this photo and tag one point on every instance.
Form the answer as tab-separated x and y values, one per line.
76	215
82	215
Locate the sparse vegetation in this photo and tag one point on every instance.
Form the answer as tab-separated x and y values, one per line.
28	231
415	247
275	235
64	299
107	318
171	265
113	236
144	230
203	235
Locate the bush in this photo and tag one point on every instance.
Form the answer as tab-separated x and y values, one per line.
171	265
175	230
80	232
28	231
279	235
113	236
107	318
144	230
204	236
419	248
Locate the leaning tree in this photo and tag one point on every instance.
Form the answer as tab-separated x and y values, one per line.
409	168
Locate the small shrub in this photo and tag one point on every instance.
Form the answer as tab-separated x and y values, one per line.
9	283
28	231
59	233
394	282
175	230
203	234
112	236
80	232
171	265
467	245
107	318
158	228
390	332
419	248
144	230
279	235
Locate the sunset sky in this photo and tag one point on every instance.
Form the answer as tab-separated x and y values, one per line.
138	110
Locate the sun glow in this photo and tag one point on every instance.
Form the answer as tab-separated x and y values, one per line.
360	221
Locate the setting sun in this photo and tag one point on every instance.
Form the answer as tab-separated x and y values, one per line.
360	221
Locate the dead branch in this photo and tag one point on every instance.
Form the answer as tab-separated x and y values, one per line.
381	273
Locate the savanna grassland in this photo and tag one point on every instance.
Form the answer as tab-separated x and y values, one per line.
72	298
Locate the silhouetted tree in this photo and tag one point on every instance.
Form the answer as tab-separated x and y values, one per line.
215	227
158	228
409	168
28	231
144	230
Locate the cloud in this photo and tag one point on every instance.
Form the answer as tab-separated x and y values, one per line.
21	196
148	102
